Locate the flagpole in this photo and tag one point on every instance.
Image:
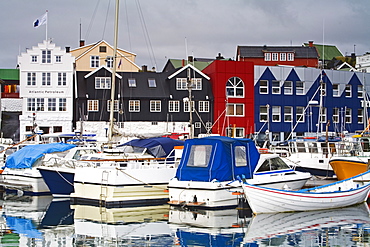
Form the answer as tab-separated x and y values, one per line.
46	28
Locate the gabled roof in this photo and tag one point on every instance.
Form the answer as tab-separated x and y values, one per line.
346	66
327	52
188	66
102	67
259	51
199	63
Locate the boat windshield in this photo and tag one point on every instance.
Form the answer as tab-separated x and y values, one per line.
199	155
273	164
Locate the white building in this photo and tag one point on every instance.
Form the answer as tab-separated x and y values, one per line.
363	63
46	89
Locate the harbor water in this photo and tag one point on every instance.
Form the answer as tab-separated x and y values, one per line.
44	221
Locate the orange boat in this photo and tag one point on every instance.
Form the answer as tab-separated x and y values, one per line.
346	167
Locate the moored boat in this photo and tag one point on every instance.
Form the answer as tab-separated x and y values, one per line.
207	176
343	193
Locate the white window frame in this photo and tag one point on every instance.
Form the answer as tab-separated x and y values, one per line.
323	115
360	115
40	104
276	89
152	82
360	91
336	92
196	83
181	84
134	105
348	115
94	61
275	56
299	87
115	106
236	132
46	79
203	106
103	82
288	113
31	79
290	56
52	104
276	113
267	56
31	104
335	117
34	58
197	125
62	104
46	56
58	58
263	113
155	106
235	88
264	86
92	105
62	79
233	110
300	114
174	106
348	91
186	106
288	89
282	56
109	62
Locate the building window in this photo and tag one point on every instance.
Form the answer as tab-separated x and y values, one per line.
62	79
323	111
290	56
94	61
288	114
360	91
348	117
31	79
275	57
282	56
181	84
263	113
151	82
348	91
102	82
267	56
360	116
102	49
174	106
93	105
235	87
235	110
134	105
197	125
40	104
46	56
275	87
336	90
196	83
203	106
46	79
109	62
115	106
186	106
236	132
57	129
58	59
276	113
33	59
323	88
264	87
31	103
62	104
132	82
288	89
299	87
335	115
155	106
300	114
52	104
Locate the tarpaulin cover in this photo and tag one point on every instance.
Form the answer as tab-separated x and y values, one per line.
159	147
23	226
28	155
221	159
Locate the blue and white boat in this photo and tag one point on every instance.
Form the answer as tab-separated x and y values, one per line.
60	176
207	176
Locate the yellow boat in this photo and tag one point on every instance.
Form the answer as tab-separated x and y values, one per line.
346	167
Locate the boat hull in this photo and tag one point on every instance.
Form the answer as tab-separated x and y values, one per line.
339	194
348	167
113	187
59	180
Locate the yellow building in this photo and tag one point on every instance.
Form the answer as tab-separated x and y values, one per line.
93	56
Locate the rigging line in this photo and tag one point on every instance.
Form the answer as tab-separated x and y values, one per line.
128	26
92	20
106	18
146	35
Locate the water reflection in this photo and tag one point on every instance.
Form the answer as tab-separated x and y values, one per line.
44	221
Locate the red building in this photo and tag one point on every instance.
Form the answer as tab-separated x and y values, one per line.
232	84
299	56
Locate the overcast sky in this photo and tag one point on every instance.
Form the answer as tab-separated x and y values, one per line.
156	30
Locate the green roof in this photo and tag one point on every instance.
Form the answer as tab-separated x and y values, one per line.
178	63
9	74
329	51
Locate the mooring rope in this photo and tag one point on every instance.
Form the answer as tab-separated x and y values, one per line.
138	179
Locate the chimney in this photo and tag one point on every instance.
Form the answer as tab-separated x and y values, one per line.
310	43
144	68
353	56
190	59
82	42
68	49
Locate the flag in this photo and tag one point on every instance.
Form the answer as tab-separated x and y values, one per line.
41	20
120	62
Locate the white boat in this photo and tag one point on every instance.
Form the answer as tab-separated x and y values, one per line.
264	227
21	174
210	167
335	195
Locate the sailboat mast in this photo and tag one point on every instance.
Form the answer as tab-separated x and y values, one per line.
110	131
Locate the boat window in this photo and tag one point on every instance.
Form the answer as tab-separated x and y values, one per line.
240	156
199	155
301	147
333	149
313	147
273	164
365	145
